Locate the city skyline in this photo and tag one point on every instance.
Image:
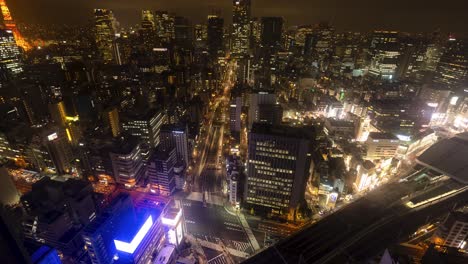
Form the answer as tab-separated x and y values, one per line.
362	15
233	131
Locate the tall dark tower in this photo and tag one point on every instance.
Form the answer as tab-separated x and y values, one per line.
215	36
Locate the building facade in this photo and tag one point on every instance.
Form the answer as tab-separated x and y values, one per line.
278	168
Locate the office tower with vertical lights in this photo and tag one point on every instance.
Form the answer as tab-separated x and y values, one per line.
10	63
105	33
241	28
277	169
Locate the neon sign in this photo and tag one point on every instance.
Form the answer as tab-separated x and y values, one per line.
132	246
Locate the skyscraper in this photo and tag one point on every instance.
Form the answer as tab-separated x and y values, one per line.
10	64
57	113
272	30
60	151
127	161
263	109
278	168
105	33
385	54
161	171
452	70
176	136
241	28
111	120
146	126
165	25
147	20
215	36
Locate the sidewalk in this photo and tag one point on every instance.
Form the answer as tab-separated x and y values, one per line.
248	231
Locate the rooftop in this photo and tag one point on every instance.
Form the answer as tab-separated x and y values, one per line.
449	157
381	135
283	131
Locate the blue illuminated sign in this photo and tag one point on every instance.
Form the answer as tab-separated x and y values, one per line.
130	247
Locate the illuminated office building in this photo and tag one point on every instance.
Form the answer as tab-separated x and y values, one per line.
176	136
215	36
241	28
105	33
147	20
278	168
165	25
146	126
452	69
381	145
200	32
122	234
235	112
385	54
60	151
127	161
10	64
453	231
173	223
160	171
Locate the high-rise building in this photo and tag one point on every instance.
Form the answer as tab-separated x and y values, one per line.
160	171
146	126
176	136
264	109
381	145
272	30
127	161
10	25
123	234
165	25
241	28
200	32
235	112
58	113
278	168
182	31
453	231
105	33
385	54
10	64
147	20
57	211
111	120
215	36
60	151
452	69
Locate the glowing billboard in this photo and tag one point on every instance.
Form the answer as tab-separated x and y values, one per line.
132	246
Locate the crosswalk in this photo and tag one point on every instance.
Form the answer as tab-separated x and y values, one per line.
220	259
242	246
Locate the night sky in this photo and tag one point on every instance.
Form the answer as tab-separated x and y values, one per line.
359	15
